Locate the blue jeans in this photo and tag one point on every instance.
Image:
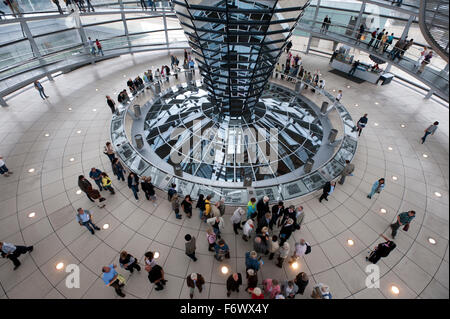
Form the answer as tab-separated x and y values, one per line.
425	137
216	231
120	175
93	50
88	225
135	191
100	51
200	213
3	169
99	183
42	94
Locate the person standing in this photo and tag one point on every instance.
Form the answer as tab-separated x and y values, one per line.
148	189
152	5
186	204
118	169
327	25
111	104
301	280
395	52
211	237
354	67
339	96
299	217
143	4
406	47
233	283
221	206
236	219
283	254
201	206
251	208
321	291
222	250
109	151
3	169
430	130
377	187
95	174
382	250
190	247
98	44
262	207
91	45
38	86
112	279
56	2
176	206
271	287
265	221
12	252
287	228
195	280
252	279
84	218
403	219
247	229
90	7
378	40
133	184
217	225
389	41
324	24
327	190
289	289
288	46
128	262
277	212
107	183
273	247
251	261
171	191
360	33
348	170
301	249
373	37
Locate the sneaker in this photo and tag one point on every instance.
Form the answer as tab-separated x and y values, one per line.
122	295
228	294
15	267
31	249
158	288
191	295
97	228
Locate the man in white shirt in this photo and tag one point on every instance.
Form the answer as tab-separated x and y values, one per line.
3	169
91	45
11	251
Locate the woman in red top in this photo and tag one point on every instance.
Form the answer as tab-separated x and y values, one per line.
99	47
256	293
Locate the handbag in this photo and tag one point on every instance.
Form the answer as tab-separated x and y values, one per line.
406	227
121	279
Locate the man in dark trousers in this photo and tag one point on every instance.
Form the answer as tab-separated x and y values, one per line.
277	212
373	37
379	36
327	190
262	207
403	219
354	67
233	283
111	104
11	251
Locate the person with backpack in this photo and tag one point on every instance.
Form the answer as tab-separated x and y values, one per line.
201	206
107	183
373	37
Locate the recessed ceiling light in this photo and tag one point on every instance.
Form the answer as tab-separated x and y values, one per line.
78	192
156	255
124	76
71	159
425	155
224	270
96	89
106	226
437	194
350	242
334	90
376	124
377	103
348	86
70	109
295	265
390	148
79	131
32	214
432	241
394	178
94	110
356	105
403	125
46	135
59	266
383	211
395	290
31	170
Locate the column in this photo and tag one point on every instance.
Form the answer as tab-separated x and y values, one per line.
84	40
358	20
316	12
165	28
407	26
125	27
429	94
34	46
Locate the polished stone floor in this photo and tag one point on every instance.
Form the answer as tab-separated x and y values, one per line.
418	268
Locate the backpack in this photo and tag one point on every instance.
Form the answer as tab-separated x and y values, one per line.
308	249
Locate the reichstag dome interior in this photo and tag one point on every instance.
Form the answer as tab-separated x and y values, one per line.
224	149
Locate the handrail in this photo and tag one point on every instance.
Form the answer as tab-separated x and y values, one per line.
221	191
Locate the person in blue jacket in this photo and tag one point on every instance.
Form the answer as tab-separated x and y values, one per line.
251	260
377	187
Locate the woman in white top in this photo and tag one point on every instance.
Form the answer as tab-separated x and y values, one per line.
3	169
